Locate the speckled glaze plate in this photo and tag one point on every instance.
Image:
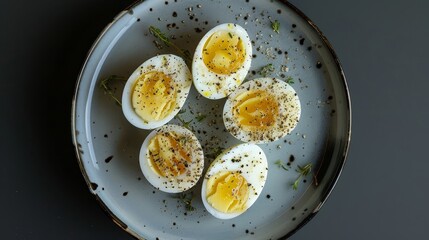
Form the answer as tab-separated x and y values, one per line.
108	146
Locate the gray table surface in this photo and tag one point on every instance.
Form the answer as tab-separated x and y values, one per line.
382	193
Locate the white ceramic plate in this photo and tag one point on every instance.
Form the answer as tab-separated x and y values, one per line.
107	145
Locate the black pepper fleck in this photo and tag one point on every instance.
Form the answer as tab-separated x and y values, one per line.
108	159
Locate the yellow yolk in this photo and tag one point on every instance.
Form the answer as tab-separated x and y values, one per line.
154	96
224	52
227	192
167	155
256	109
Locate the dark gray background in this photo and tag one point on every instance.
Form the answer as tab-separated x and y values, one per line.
382	193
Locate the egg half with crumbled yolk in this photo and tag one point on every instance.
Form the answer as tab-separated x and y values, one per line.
156	91
171	159
234	181
262	110
221	60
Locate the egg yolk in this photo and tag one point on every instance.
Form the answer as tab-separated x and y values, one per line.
223	52
256	109
227	192
153	96
168	155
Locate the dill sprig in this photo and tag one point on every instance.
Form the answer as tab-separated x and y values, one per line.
266	70
185	124
156	32
182	111
303	171
280	164
186	199
105	84
275	26
200	117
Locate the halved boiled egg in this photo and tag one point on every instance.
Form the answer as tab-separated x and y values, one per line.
234	181
221	60
155	91
262	110
171	159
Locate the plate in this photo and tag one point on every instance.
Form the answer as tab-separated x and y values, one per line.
107	146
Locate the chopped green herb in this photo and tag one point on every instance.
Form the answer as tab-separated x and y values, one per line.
185	124
280	164
160	35
275	26
163	38
183	110
289	80
303	171
295	184
105	84
186	198
200	117
266	70
230	35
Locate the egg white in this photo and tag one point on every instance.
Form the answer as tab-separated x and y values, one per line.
252	166
205	80
171	65
182	182
287	119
